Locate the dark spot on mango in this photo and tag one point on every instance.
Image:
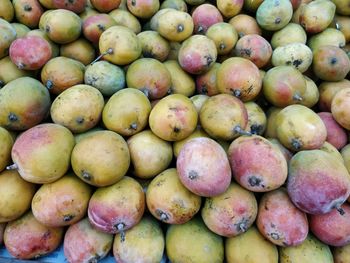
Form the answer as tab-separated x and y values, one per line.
333	61
176	129
86	175
79	120
209	60
192	175
133	126
12	117
180	28
2	83
254	181
278	20
242	226
275	236
297	62
133	2
237	93
256	129
296	144
162	216
148	54
101	27
204	90
67	218
27	8
246	51
47	29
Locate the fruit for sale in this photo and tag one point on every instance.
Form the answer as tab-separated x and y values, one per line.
27	238
251	5
104	6
6	10
154	45
7	36
230	8
126	112
245	25
143	9
173	118
149	154
145	242
155	82
119	45
336	135
62	26
299	128
297	55
42	154
328	37
197	54
342	23
250	247
76	6
175	4
239	77
173	25
341	254
274	15
30	52
116	208
198	101
253	172
203	167
231	213
206	83
9	71
61	203
41	33
24	102
94	26
311	250
181	81
317	182
6	143
345	153
286	153
332	228
125	18
291	33
317	15
101	159
78	108
16	196
342	7
339	107
311	95
80	50
280	221
283	86
224	117
193	241
169	200
255	48
21	30
83	243
47	3
177	146
331	63
327	92
204	16
61	73
224	36
28	12
329	148
271	128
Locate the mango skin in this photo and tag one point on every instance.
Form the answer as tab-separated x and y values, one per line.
154	45
305	187
6	143
118	207
11	184
204	16
7	11
311	250
28	12
231	213
291	33
9	71
169	200
80	50
8	35
24	103
328	90
250	247
193	242
83	243
43	153
336	135
61	203
341	254
145	242
26	238
339	109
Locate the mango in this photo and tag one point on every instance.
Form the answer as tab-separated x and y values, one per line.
61	203
55	50
2	229
21	30
175	4
193	242
342	23
230	213
291	33
336	135
286	153
245	25
80	50
7	36
83	243
204	16
342	7
125	18
6	143
143	9
105	6
181	81
338	108
250	247
311	95
203	167
16	196
329	36
169	200
206	83
327	91
149	154
28	12
154	45
118	207
271	128
341	254
198	101
6	10
177	146
27	238
230	8
318	182
145	242
77	6
94	26
24	103
101	159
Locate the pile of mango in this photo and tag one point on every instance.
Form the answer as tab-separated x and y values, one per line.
206	131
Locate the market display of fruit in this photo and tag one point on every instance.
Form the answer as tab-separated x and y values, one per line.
189	131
